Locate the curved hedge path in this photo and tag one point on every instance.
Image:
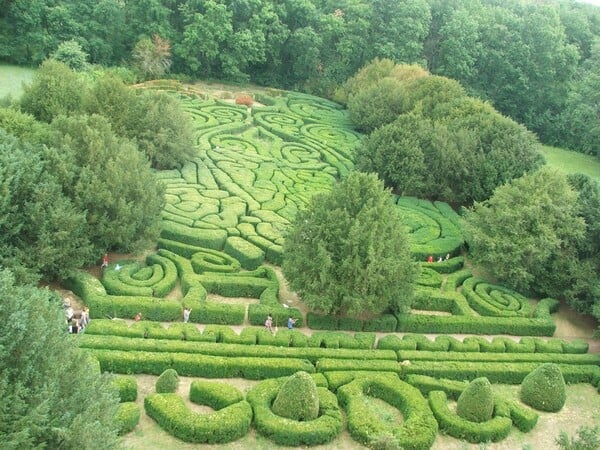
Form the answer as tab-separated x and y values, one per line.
225	218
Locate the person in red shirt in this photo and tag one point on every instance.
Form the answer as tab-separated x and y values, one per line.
104	261
138	317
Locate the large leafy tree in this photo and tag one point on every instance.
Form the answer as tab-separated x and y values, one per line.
348	251
527	234
53	395
42	233
110	179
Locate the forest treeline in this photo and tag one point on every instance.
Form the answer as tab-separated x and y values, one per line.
535	61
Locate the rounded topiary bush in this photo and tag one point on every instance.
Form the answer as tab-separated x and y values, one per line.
544	389
297	398
476	402
167	382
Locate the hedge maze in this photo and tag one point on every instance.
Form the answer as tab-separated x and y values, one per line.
224	221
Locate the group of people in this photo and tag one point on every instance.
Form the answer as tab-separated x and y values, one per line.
269	323
440	259
76	325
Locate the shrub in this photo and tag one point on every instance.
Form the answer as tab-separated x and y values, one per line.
297	398
244	99
544	388
476	403
128	416
284	431
127	387
167	382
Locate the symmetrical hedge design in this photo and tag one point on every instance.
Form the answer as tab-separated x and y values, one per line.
290	432
419	428
229	422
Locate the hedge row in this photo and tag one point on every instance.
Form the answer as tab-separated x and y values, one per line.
451	423
197	365
498	344
491	300
127	388
128	416
559	358
173	415
507	373
290	432
417	431
313	354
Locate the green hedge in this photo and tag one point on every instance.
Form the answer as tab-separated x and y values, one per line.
450	423
127	387
128	416
214	394
312	354
331	364
174	416
249	255
507	373
196	365
200	237
289	432
417	431
575	359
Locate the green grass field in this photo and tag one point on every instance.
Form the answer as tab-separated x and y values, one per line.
572	162
12	79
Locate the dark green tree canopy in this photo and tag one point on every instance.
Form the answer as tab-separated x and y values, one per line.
53	395
528	233
348	252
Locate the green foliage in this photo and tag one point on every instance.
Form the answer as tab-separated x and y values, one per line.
151	57
54	90
167	382
544	388
587	438
348	252
46	383
127	386
128	417
297	398
476	403
71	54
288	432
529	229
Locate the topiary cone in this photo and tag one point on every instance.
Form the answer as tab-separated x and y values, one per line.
544	388
297	398
476	403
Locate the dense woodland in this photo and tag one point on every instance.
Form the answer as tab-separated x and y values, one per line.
535	61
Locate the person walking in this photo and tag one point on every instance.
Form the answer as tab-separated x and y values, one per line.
269	323
186	315
291	323
104	261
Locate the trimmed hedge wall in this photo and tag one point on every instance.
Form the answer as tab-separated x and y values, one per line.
194	365
313	354
127	387
416	432
173	415
289	432
128	416
492	430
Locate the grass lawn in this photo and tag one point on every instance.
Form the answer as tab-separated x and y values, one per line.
572	162
12	79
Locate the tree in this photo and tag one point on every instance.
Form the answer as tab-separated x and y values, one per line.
71	53
55	89
42	233
528	229
348	252
152	57
110	179
53	395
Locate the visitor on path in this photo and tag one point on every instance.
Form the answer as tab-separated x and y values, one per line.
447	256
69	313
440	259
85	317
138	317
104	261
291	322
430	259
269	323
74	327
186	315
